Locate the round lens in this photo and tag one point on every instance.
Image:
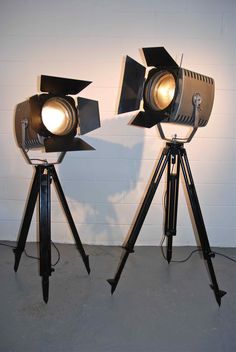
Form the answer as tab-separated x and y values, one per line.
160	90
164	91
58	116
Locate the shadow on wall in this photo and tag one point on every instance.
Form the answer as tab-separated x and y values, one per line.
97	183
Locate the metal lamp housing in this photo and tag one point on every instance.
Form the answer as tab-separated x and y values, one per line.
29	113
53	120
26	136
179	107
188	83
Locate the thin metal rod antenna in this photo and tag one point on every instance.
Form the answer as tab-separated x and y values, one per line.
181	60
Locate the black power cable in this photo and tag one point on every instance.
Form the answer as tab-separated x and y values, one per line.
195	250
161	245
181	260
33	257
191	253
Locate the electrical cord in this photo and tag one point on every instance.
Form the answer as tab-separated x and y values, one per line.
161	246
37	258
33	257
191	253
181	260
7	245
195	250
225	256
58	254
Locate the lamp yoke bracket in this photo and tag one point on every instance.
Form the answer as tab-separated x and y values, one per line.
196	100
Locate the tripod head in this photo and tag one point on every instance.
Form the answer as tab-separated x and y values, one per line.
37	161
196	100
25	150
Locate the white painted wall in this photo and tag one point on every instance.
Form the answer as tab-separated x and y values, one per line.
89	40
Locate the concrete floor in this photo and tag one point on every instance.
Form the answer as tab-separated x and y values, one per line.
156	308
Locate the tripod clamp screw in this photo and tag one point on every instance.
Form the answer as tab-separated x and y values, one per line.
212	254
207	254
128	249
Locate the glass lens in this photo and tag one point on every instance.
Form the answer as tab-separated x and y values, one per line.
58	116
164	91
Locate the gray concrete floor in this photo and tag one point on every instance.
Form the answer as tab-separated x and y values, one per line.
156	308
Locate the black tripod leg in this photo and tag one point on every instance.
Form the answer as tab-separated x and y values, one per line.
198	218
27	218
61	195
140	217
171	202
45	230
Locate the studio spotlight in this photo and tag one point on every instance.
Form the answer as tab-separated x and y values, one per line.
53	121
170	94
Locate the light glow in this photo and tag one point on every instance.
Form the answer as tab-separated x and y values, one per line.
58	116
164	91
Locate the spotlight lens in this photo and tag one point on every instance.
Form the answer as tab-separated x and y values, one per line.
164	91
160	90
58	116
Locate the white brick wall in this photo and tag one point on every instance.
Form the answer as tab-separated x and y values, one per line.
88	40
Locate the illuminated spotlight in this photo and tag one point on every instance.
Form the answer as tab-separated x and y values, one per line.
176	95
53	121
170	93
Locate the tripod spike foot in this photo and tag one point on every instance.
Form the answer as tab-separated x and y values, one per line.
17	259
168	258
45	285
113	284
86	263
218	294
169	255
